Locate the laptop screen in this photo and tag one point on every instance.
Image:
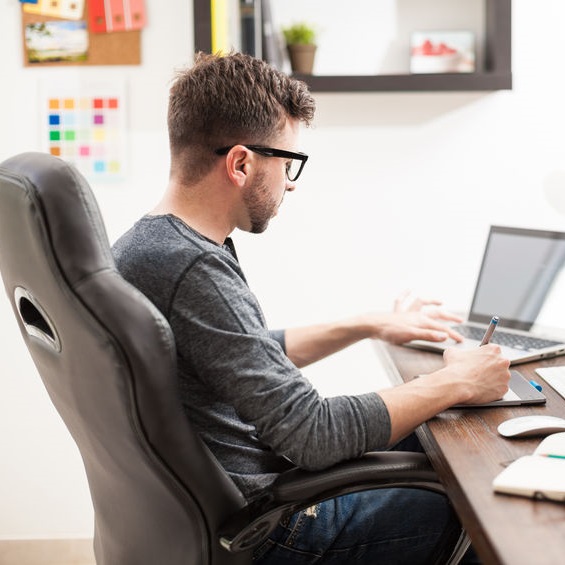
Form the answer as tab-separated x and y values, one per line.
522	279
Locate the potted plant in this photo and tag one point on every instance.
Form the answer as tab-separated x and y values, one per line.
301	45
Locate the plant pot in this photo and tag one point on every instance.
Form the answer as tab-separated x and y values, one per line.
302	57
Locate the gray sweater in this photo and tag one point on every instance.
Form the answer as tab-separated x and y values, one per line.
250	404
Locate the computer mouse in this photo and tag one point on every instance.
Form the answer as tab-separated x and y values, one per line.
534	425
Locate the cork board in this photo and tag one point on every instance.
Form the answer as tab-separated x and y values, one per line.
116	48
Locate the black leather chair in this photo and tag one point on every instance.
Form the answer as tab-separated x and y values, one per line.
107	359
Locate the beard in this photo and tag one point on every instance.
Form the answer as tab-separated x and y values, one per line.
261	206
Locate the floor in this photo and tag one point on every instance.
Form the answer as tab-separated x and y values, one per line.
46	552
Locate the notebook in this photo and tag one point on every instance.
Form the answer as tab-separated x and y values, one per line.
539	475
521	280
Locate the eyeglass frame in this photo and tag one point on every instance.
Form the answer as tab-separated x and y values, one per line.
272	152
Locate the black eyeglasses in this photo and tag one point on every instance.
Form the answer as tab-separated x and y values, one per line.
293	167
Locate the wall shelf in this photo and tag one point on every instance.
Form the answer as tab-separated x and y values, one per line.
497	73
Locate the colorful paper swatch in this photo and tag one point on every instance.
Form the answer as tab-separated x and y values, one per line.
66	9
87	128
107	16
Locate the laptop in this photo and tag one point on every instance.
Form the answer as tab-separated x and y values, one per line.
522	281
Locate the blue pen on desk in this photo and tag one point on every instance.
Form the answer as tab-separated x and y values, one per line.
490	330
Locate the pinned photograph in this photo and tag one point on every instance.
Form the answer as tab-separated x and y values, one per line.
56	42
442	52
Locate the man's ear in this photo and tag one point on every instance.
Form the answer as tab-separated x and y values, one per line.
237	165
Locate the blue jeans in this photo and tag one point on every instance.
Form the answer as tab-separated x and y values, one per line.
383	526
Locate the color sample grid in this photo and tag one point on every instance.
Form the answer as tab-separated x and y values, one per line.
89	132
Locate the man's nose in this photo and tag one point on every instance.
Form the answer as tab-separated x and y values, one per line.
290	186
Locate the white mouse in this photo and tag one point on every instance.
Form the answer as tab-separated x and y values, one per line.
535	425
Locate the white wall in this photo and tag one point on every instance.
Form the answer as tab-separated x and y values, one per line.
398	193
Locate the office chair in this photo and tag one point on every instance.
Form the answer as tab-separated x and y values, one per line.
107	359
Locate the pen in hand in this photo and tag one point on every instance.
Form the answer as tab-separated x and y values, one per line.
490	331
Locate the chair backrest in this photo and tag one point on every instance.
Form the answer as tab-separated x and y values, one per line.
107	358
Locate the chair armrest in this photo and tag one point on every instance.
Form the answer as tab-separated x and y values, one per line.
297	489
355	475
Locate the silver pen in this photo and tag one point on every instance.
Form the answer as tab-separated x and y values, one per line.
490	330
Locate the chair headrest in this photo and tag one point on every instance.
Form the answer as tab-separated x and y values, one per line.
80	252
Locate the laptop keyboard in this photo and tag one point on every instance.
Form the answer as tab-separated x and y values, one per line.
500	337
554	377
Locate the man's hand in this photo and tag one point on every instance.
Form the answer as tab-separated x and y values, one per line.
412	318
416	318
483	371
470	376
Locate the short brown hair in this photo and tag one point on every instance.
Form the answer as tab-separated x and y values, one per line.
225	100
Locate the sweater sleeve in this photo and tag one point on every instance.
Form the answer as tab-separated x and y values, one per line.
279	336
221	329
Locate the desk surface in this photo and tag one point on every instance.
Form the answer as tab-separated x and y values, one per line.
467	453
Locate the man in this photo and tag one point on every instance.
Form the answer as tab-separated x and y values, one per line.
233	128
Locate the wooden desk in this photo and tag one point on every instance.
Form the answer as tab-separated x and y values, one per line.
467	453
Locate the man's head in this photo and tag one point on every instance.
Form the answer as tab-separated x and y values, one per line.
223	101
